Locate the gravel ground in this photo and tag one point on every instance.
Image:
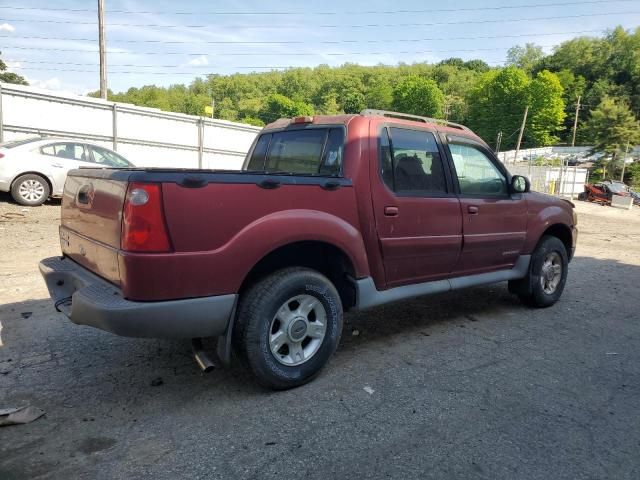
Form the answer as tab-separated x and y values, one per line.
469	384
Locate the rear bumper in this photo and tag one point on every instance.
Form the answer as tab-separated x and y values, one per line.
89	300
5	185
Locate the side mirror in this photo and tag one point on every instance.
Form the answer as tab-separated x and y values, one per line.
520	184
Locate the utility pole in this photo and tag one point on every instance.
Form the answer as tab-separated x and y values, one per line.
624	161
498	141
524	121
103	53
575	123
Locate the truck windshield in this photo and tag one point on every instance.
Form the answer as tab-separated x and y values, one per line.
312	151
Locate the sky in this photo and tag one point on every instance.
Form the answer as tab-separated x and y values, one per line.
54	44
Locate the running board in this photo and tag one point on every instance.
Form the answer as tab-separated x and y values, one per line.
368	296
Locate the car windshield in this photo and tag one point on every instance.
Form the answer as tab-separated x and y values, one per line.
17	143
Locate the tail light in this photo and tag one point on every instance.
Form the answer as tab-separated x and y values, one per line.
143	225
1	155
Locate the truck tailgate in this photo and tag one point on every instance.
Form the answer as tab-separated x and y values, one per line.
92	220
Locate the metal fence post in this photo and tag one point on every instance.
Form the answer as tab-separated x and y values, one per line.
114	126
1	118
200	124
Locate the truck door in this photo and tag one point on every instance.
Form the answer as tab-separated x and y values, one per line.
418	217
494	221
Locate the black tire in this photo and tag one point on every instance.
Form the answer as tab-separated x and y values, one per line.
256	320
533	290
41	190
582	196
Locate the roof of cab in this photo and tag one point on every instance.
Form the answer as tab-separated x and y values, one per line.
382	116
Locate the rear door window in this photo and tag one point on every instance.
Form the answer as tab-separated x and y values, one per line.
411	163
313	151
69	151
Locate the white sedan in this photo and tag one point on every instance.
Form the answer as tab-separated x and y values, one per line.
35	169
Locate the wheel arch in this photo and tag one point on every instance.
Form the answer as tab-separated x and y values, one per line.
322	256
563	233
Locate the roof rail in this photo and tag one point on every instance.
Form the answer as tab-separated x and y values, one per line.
417	118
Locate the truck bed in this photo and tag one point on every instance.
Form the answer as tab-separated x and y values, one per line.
219	223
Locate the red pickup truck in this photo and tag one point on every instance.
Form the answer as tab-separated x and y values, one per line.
328	214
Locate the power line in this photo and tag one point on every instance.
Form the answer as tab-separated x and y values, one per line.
298	26
293	42
278	54
360	12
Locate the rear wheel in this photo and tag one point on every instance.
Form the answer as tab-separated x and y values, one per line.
547	276
289	326
30	190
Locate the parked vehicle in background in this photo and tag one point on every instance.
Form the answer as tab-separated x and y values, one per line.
330	213
602	192
36	168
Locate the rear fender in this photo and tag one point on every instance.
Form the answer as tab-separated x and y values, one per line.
278	229
223	270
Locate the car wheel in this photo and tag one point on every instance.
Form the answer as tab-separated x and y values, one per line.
30	190
547	276
289	326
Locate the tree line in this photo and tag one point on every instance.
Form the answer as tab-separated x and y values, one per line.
604	72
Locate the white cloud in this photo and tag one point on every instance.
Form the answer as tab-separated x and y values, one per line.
6	27
199	61
49	84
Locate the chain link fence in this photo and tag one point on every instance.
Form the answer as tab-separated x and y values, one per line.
564	181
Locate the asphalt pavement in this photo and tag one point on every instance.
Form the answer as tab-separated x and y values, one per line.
469	384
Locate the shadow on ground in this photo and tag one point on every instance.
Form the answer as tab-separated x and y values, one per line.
464	384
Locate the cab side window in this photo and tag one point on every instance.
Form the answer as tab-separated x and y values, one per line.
410	162
477	174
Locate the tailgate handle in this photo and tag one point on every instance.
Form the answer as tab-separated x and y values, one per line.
269	184
331	185
83	194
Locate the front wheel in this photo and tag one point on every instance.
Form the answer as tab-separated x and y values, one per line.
289	326
548	274
30	190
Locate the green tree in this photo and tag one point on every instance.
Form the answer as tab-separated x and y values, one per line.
278	106
547	109
610	127
418	96
354	102
496	104
10	77
329	104
379	96
632	175
526	58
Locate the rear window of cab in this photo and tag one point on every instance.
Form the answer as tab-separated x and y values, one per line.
310	151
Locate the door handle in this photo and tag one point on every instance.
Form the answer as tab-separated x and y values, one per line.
472	209
391	211
57	165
